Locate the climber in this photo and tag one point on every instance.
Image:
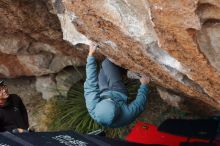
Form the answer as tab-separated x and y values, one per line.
13	114
106	95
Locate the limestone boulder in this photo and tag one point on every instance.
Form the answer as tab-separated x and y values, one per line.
175	42
58	84
31	41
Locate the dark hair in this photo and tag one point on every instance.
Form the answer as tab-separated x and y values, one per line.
2	82
2	85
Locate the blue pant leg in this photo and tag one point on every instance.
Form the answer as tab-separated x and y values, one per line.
102	81
113	74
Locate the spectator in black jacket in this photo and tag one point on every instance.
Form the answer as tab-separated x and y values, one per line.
13	114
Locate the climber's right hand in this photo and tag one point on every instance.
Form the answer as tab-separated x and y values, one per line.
144	80
92	49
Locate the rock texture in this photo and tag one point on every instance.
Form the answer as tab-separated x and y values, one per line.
31	40
175	42
59	84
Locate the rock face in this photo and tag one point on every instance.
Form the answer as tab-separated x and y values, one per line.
175	42
31	40
59	84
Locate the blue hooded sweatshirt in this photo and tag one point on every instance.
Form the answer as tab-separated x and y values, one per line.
110	108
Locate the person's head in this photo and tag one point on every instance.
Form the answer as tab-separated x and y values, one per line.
3	94
106	112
